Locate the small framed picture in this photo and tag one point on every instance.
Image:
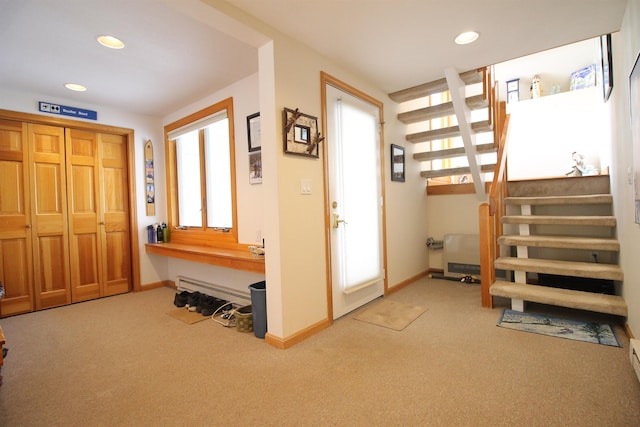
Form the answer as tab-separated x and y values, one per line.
253	132
397	163
255	167
513	91
301	134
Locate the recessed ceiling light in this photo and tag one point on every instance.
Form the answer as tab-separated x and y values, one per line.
110	42
76	87
466	38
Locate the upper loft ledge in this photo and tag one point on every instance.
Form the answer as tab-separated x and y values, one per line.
230	258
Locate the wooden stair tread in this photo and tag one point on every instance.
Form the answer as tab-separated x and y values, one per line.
455	171
449	132
601	303
563	268
592	199
437	86
441	110
452	152
563	242
605	221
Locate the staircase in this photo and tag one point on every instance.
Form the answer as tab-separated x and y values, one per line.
470	108
556	236
560	243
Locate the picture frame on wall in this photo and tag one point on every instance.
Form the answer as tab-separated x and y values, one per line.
513	91
606	66
253	132
255	167
397	163
300	133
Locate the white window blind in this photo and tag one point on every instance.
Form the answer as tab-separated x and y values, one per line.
198	124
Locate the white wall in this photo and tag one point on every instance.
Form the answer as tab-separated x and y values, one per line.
544	132
450	214
626	46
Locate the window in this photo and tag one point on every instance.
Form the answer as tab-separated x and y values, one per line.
201	176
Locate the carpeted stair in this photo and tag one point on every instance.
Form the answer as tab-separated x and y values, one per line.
568	234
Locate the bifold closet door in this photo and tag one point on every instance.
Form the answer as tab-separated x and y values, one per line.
85	223
98	215
15	220
115	210
49	219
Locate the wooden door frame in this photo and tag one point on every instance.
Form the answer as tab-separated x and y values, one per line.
327	79
95	127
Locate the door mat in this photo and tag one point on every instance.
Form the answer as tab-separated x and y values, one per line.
188	317
390	314
597	333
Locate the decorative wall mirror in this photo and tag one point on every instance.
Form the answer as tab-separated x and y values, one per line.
397	163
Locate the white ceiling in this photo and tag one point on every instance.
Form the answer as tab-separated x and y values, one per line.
175	55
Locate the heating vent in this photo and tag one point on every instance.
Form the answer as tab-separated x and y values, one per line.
461	255
232	295
634	354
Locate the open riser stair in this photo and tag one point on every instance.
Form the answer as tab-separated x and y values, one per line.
560	243
462	147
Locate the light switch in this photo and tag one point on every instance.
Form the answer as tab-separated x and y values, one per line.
305	186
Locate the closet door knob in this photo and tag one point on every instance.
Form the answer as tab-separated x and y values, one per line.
27	226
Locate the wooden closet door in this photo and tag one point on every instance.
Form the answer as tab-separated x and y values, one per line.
114	192
49	216
15	221
85	234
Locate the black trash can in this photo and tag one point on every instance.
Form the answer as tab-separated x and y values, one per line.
259	308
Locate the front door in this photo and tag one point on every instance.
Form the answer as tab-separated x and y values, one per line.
355	198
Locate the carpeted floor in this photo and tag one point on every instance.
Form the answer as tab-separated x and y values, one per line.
121	361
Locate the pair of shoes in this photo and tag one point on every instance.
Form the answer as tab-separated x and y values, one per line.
180	300
192	300
211	305
203	302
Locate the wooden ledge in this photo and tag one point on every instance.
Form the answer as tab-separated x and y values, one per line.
229	258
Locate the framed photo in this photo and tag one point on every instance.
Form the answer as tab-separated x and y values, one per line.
397	163
149	179
255	167
253	132
513	91
607	65
583	78
300	133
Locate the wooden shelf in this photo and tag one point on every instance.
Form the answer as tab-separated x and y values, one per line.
229	258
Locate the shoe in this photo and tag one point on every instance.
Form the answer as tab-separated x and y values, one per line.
192	300
204	301
180	299
212	305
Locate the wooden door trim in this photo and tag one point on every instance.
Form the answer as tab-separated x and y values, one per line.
96	127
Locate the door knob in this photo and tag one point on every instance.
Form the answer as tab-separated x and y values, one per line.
337	221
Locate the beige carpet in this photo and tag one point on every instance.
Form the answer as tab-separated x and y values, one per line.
390	314
188	317
121	361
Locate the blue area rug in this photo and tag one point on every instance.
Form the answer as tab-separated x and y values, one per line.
597	333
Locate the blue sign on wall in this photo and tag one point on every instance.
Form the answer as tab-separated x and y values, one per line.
64	110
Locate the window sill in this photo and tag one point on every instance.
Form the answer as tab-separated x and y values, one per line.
229	258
